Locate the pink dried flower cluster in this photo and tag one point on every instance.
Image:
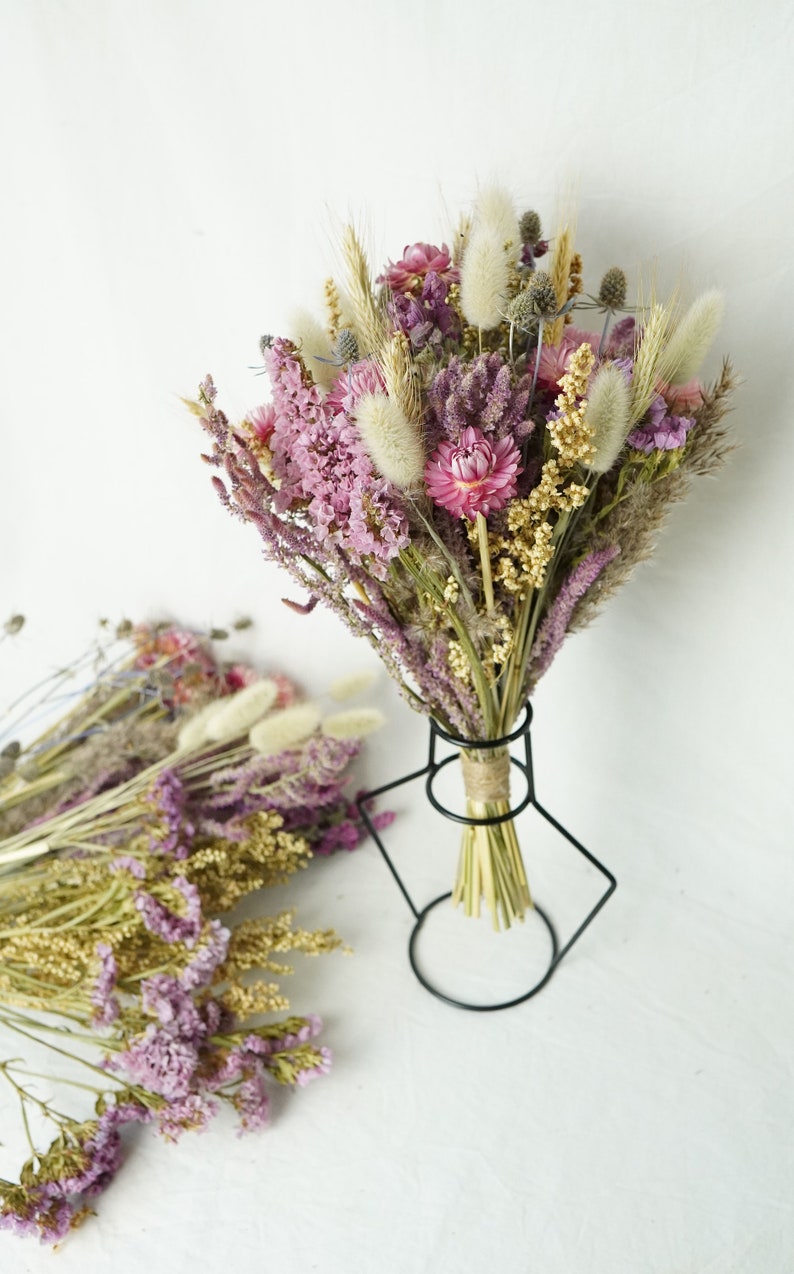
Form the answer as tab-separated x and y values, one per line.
484	428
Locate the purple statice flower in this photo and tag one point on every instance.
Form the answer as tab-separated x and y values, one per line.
164	997
45	1214
324	469
308	1073
193	1112
266	1046
408	315
106	1005
166	924
48	1209
620	343
252	1101
479	394
349	832
125	862
660	431
174	832
552	631
198	973
161	1060
426	317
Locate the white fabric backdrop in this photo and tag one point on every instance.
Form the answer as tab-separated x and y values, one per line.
172	175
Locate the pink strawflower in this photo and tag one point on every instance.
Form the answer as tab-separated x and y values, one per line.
682	399
475	475
418	260
238	676
364	377
261	422
554	359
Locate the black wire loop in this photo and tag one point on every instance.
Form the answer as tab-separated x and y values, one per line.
429	772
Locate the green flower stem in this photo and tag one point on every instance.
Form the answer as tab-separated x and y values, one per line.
430	582
485	562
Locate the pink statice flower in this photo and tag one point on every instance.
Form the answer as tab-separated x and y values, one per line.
474	475
408	274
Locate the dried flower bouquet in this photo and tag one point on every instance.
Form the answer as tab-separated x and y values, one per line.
464	476
173	787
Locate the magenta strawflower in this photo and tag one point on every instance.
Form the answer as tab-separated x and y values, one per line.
475	475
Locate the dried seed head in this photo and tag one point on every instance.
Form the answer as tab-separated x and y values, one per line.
346	346
530	227
240	625
612	293
12	750
124	629
218	634
542	295
520	311
14	624
285	729
354	723
265	342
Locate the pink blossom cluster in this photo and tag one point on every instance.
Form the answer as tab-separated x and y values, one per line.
323	468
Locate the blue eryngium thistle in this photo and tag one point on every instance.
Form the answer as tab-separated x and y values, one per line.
346	347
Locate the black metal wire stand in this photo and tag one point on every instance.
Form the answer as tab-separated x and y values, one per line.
431	770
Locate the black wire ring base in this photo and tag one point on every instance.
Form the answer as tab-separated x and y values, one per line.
428	772
465	1004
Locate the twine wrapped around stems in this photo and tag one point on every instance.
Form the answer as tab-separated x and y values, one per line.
488	780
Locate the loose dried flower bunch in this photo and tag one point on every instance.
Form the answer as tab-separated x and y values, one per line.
464	475
175	786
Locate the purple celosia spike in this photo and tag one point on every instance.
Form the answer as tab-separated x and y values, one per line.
479	395
552	631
